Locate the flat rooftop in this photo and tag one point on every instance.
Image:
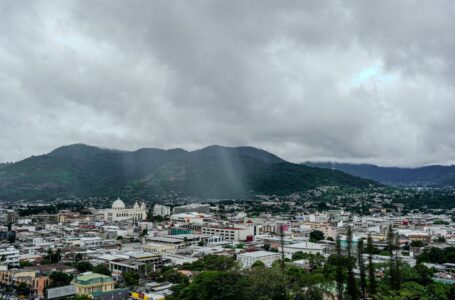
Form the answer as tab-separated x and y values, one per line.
258	254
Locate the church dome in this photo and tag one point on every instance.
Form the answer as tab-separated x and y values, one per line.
118	204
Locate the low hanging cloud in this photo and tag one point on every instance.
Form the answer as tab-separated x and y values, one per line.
349	81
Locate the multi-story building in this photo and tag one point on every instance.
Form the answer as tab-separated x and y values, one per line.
230	234
191	217
196	207
7	235
305	247
91	242
249	258
119	266
11	216
89	282
34	280
9	256
161	210
159	248
179	230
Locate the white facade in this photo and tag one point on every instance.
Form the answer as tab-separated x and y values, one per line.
305	247
229	234
119	212
159	248
91	242
9	256
194	207
161	210
192	217
249	258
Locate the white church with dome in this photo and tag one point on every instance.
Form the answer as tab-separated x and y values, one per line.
119	212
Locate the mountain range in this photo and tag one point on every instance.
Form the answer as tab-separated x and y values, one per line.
81	170
433	175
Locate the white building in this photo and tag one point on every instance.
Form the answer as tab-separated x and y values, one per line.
230	234
119	212
9	256
91	242
160	248
305	247
191	217
249	258
193	207
161	210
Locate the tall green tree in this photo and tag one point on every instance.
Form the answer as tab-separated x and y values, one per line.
23	289
78	257
131	278
59	279
213	262
351	284
268	283
361	264
215	285
339	269
371	271
83	266
101	269
394	277
316	236
397	262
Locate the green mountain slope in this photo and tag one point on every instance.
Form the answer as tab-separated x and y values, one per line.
212	172
433	175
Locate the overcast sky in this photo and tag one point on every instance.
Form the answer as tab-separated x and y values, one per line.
357	81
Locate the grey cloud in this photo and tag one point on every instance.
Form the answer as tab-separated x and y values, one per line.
323	80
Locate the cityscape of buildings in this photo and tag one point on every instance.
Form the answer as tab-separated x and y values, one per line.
143	240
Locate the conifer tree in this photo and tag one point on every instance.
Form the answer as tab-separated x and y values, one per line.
397	267
371	271
361	264
339	270
351	284
394	279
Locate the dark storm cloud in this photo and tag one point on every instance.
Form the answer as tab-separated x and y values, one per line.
368	81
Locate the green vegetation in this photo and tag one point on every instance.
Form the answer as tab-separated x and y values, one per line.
371	270
437	255
213	172
361	264
440	222
131	278
24	263
434	175
352	285
50	209
440	239
417	244
316	236
101	269
216	285
52	257
80	297
83	266
212	263
23	289
144	232
219	277
315	260
59	279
